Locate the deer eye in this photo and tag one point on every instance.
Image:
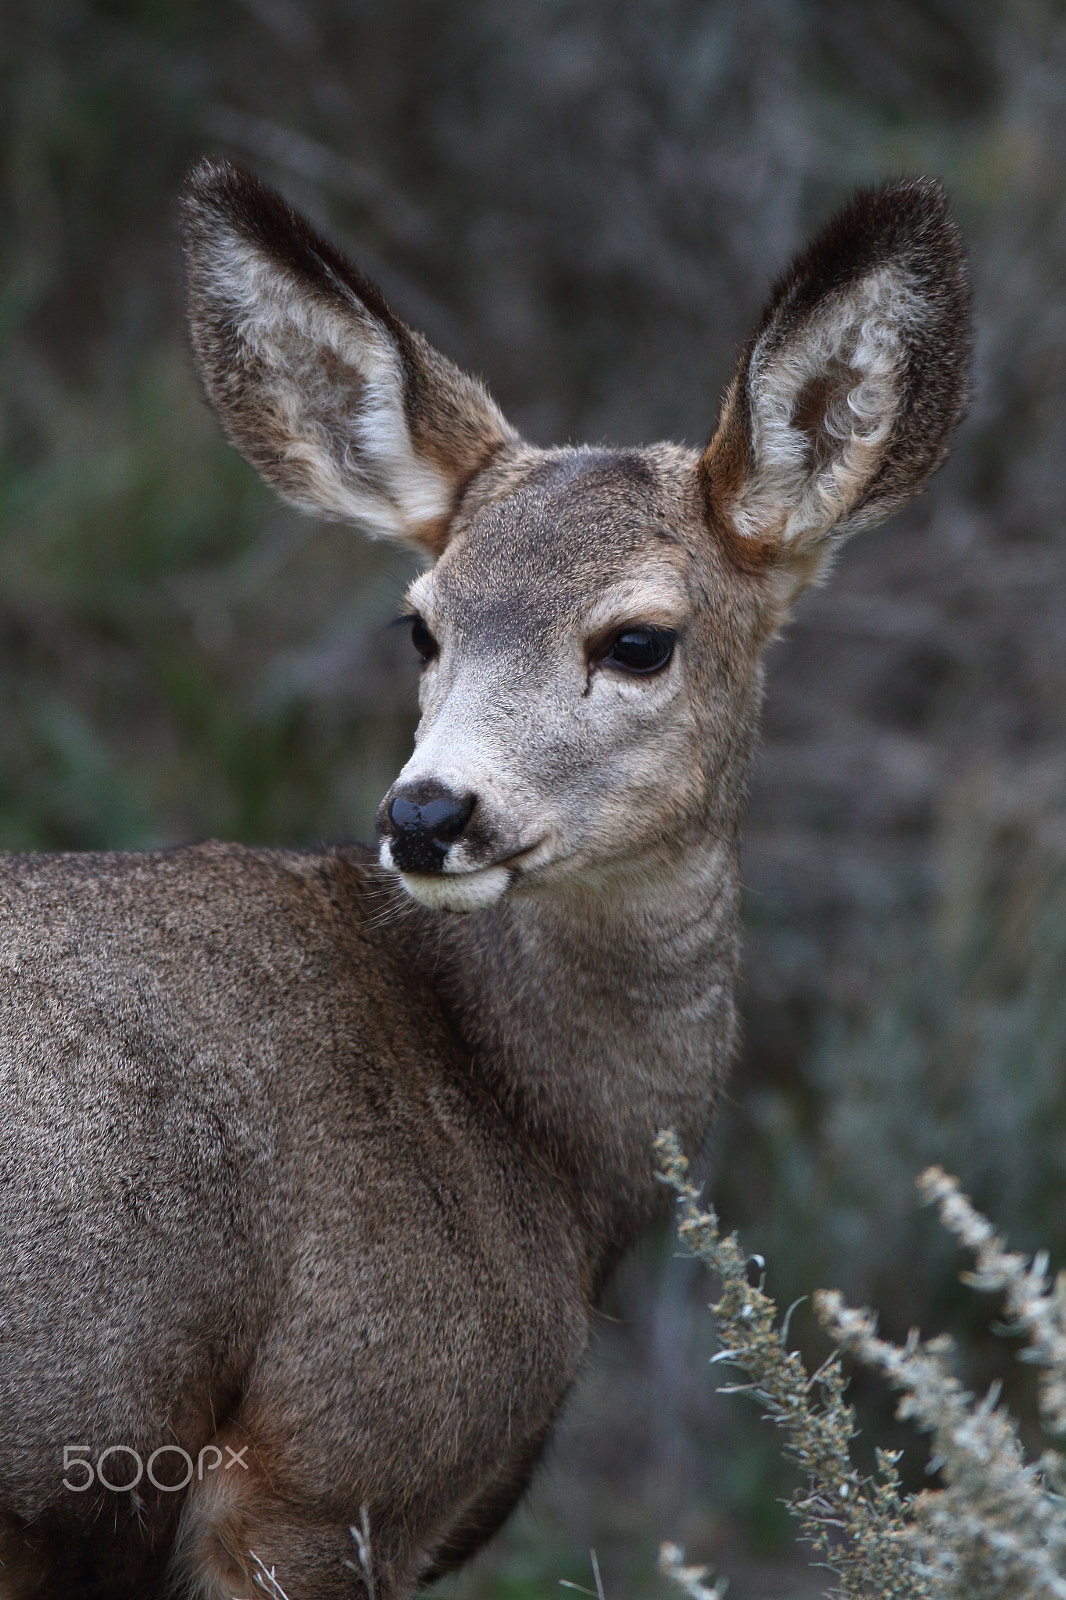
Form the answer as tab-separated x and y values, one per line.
421	638
639	650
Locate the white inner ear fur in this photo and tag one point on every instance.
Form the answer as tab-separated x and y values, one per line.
858	330
379	481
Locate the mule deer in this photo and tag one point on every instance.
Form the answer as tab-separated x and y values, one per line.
305	1211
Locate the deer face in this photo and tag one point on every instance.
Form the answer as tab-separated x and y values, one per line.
563	734
591	627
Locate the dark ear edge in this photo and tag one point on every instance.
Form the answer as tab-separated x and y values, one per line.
904	225
451	426
220	197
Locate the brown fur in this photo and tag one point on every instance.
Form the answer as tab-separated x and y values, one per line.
340	1189
905	226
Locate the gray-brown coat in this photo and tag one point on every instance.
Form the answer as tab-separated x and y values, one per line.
319	1200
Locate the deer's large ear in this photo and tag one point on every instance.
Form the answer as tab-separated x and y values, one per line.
339	405
846	396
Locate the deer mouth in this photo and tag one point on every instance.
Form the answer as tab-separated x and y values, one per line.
471	890
460	887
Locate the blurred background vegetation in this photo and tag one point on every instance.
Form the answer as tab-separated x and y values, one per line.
584	202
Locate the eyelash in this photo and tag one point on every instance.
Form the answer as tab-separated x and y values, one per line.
640	649
421	637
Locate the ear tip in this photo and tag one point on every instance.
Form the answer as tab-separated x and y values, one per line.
906	219
220	200
906	191
913	211
217	178
904	224
907	223
218	191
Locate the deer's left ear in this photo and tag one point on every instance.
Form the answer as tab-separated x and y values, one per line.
846	396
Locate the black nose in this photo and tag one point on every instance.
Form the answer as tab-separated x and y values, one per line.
423	822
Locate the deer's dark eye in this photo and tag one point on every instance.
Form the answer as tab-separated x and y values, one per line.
640	650
421	638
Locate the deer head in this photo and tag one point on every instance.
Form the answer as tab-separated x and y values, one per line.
591	625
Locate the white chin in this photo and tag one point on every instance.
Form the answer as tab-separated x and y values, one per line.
457	891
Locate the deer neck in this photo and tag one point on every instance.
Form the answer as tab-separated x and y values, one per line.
599	1020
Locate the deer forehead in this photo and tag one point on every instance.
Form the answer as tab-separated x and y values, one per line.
588	539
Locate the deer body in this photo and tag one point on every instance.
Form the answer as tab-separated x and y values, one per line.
298	1231
333	1192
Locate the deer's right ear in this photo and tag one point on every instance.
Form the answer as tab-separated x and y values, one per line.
847	394
337	403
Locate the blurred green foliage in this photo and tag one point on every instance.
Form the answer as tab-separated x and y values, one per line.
584	203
